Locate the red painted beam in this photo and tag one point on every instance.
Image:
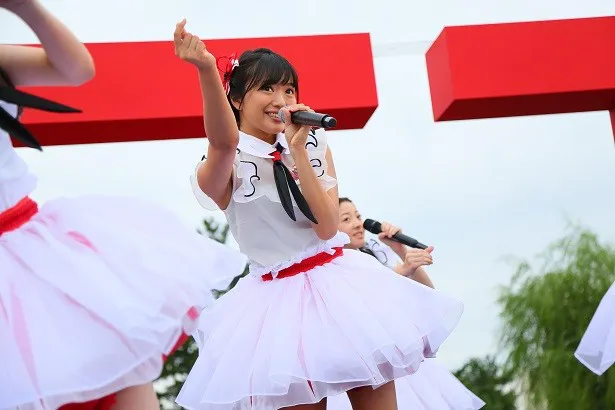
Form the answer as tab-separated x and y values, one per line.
515	69
142	91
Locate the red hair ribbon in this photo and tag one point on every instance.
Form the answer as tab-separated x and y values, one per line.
227	70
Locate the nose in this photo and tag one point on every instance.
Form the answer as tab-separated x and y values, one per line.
357	223
278	100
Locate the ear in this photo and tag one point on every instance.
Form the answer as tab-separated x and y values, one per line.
236	104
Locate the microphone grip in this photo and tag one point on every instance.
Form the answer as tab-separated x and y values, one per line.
313	119
411	242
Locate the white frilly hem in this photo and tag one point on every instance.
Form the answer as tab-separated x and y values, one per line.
349	323
432	387
338	241
597	347
93	291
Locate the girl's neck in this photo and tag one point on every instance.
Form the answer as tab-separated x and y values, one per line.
268	138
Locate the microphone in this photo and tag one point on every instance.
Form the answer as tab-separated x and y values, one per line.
314	119
375	227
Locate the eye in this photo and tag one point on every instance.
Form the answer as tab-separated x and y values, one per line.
267	88
290	90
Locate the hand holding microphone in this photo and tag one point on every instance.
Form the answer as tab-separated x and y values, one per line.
419	254
299	119
391	232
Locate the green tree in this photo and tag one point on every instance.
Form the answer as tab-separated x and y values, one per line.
178	365
544	316
485	378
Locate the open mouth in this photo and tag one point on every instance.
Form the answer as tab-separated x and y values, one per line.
273	116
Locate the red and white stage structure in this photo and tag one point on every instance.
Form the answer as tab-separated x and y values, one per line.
143	92
518	69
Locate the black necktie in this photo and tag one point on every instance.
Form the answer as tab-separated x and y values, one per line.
12	125
286	185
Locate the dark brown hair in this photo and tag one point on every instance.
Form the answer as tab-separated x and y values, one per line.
260	68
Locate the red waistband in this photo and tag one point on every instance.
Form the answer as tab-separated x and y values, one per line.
18	215
305	265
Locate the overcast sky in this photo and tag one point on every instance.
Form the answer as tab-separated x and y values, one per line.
477	190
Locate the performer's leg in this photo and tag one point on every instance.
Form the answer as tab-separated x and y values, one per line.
368	398
139	397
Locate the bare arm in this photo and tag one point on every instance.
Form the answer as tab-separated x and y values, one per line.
323	204
412	264
214	175
63	60
419	275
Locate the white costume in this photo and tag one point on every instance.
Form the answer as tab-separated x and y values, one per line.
93	290
597	348
311	320
432	386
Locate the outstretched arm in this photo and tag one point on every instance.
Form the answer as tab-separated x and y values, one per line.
214	175
63	59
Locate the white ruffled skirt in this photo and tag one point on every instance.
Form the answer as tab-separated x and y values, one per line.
432	387
351	322
93	292
597	348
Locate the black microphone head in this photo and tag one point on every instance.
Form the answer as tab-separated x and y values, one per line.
329	122
372	226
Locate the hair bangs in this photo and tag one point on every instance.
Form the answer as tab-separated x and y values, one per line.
272	69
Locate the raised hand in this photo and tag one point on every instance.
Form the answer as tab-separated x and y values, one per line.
296	134
414	259
190	48
388	230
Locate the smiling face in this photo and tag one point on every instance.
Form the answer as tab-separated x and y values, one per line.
351	224
260	85
258	112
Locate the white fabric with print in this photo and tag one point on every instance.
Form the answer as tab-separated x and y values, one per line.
383	253
271	240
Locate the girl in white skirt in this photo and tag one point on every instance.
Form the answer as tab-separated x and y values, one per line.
597	348
432	387
94	291
312	319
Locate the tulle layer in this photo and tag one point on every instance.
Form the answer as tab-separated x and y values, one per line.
349	323
93	292
597	348
432	387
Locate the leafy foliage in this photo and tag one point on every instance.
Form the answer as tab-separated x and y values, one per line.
545	315
486	378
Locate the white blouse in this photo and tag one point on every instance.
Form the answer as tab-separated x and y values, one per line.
16	182
265	233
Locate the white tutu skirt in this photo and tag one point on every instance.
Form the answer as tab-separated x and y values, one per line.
432	387
93	291
597	348
351	322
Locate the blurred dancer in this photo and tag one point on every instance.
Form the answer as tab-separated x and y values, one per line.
94	291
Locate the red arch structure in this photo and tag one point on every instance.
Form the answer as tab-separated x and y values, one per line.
518	69
141	91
